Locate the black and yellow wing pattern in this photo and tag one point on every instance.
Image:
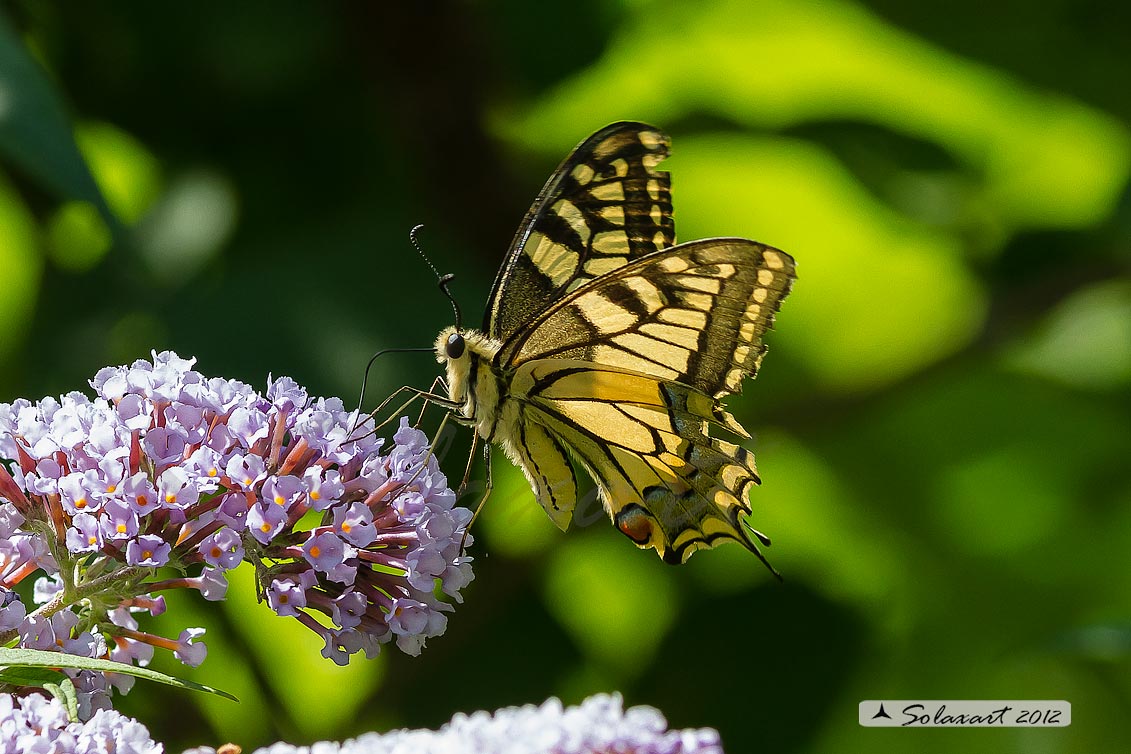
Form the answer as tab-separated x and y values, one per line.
607	343
605	205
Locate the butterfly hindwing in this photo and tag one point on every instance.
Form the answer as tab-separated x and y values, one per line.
604	206
546	466
666	483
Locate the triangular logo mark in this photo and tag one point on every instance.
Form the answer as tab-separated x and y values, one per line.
881	713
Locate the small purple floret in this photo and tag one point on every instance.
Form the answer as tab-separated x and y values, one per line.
148	550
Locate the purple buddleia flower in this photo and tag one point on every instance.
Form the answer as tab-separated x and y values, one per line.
133	411
46	588
212	583
119	522
37	632
323	487
85	534
599	725
410	505
76	491
37	724
283	491
205	467
187	421
170	479
286	394
148	550
176	489
164	445
233	508
111	469
17	558
425	621
287	596
330	555
265	521
354	524
222	549
248	425
12	610
140	494
348	609
188	650
246	471
44	478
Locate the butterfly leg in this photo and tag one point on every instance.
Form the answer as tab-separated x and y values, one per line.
438	382
381	407
417	394
424	461
428	395
489	485
470	462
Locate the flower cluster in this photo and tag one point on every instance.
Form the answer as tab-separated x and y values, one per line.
167	472
37	724
599	724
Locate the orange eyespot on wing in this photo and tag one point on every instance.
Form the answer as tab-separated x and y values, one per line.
636	523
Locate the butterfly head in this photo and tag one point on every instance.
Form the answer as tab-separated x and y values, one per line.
463	352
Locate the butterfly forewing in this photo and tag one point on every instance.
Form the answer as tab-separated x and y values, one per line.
694	314
604	206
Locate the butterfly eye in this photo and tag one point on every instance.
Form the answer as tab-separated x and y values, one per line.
455	345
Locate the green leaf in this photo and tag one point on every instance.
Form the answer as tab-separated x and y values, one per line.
35	130
25	676
36	658
834	61
65	693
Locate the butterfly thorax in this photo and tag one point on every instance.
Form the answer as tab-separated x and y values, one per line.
472	380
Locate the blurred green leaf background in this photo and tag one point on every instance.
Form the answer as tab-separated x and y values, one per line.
942	423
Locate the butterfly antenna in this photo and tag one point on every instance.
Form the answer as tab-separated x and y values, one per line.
444	279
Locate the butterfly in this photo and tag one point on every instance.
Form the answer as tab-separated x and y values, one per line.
607	343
